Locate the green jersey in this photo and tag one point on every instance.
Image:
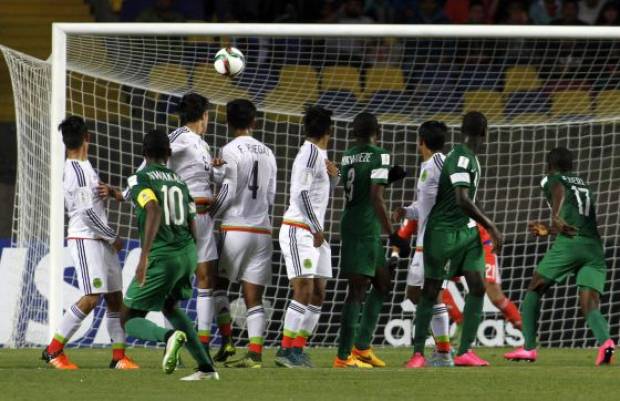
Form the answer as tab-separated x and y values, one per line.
460	169
361	167
578	208
159	183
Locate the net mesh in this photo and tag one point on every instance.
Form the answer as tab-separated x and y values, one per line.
537	94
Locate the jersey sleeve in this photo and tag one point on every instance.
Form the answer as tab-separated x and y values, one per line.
459	171
381	169
229	183
271	192
140	190
127	190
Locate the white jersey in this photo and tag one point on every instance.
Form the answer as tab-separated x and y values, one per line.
249	187
310	188
86	210
426	194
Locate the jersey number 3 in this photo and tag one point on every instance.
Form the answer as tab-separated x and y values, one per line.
173	205
348	185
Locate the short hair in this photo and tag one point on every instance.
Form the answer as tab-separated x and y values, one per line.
365	125
474	124
240	113
156	144
561	159
433	133
192	107
317	121
74	131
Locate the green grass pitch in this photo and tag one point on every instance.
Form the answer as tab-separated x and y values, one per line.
560	374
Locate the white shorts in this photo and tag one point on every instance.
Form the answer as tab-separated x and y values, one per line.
415	274
97	266
301	257
246	256
206	245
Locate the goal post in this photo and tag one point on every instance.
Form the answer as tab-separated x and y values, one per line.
539	85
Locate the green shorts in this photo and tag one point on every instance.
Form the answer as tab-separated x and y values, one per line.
167	276
361	256
581	256
447	253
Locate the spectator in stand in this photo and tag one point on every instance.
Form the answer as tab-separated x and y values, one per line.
590	9
468	11
381	11
428	12
162	11
543	12
516	14
609	15
570	14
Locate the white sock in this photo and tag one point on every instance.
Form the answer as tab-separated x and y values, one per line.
116	332
256	327
292	321
168	325
204	311
310	320
440	323
69	324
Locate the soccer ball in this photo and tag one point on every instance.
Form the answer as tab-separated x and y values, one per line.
229	61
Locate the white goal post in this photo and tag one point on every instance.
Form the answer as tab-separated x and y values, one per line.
549	109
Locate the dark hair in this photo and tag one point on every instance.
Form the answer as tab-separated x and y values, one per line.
156	144
317	121
600	20
433	134
560	159
240	113
74	131
474	124
192	107
365	125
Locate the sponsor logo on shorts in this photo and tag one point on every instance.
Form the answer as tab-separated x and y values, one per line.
97	283
307	264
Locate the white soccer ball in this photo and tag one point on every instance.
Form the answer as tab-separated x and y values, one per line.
229	61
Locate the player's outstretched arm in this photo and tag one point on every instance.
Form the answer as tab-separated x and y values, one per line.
106	191
378	204
470	209
558	194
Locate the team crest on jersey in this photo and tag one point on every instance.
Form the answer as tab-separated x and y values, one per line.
424	176
308	263
97	283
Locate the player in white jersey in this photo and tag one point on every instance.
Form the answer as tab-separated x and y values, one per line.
244	205
432	136
93	245
306	253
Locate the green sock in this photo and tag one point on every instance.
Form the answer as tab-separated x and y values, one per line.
598	325
180	321
370	317
349	321
423	316
472	313
144	329
530	309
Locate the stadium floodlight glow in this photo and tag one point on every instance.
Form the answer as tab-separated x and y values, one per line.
540	86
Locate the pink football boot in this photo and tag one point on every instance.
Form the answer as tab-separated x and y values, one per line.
469	359
416	361
522	354
605	353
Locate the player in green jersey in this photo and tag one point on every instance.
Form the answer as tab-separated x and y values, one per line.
364	170
452	245
165	213
577	250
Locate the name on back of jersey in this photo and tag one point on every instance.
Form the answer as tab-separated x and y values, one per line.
573	180
164	176
252	148
357	158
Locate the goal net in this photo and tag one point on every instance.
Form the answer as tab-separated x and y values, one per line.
546	88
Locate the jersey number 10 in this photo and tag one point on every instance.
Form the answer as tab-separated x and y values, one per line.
173	205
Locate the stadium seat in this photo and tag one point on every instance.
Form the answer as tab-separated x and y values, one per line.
168	78
390	102
341	103
571	103
476	77
383	79
446	101
526	102
216	87
297	87
95	99
529	118
488	102
521	78
341	78
395	118
447	118
608	103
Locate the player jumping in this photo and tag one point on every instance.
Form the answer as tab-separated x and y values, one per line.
93	245
165	212
365	169
452	245
244	203
306	252
577	250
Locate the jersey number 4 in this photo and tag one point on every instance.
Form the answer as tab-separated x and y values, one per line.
173	205
584	209
253	181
